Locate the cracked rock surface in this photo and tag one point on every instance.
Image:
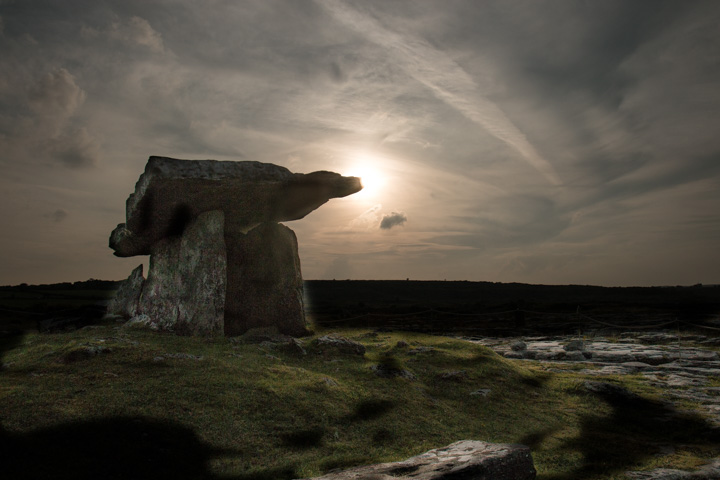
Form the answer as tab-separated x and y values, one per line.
684	367
466	459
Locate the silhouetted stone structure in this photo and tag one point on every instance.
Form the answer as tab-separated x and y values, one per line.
220	263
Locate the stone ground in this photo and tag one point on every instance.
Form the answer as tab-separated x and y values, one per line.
685	367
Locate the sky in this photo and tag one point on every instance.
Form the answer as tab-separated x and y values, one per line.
549	142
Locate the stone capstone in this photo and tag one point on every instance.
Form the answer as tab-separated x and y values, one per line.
171	192
463	460
219	261
125	301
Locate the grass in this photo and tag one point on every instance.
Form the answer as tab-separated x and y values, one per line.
247	411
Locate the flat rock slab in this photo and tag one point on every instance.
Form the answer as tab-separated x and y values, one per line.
171	192
676	364
707	472
463	460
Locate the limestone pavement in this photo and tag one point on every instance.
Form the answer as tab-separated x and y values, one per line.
685	367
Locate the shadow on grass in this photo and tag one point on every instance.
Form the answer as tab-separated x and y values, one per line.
303	439
535	439
370	409
116	448
9	341
111	448
631	434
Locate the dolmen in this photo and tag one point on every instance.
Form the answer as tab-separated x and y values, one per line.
220	263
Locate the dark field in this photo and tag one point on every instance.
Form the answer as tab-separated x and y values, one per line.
486	308
463	308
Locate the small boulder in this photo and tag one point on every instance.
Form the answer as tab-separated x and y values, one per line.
466	459
453	376
388	370
481	392
417	350
710	471
574	346
338	344
292	346
83	353
126	299
575	356
329	382
518	346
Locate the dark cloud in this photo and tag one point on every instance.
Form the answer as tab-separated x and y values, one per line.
75	148
392	220
43	124
58	215
56	96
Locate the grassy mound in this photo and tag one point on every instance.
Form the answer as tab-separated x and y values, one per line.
123	403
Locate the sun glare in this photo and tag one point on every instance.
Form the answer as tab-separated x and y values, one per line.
371	176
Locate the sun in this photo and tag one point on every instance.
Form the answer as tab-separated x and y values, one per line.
372	177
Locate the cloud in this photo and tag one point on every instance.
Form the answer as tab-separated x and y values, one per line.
75	148
445	78
367	220
43	123
131	31
138	30
58	215
392	220
55	98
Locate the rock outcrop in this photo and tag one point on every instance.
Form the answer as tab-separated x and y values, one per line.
126	299
710	471
219	261
467	459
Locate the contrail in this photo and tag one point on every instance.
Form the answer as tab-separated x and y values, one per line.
445	78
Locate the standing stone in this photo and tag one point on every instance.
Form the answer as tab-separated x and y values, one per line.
185	289
265	287
125	302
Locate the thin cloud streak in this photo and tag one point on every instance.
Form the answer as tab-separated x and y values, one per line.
445	78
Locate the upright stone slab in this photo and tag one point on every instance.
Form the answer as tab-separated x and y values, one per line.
185	288
125	301
265	286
